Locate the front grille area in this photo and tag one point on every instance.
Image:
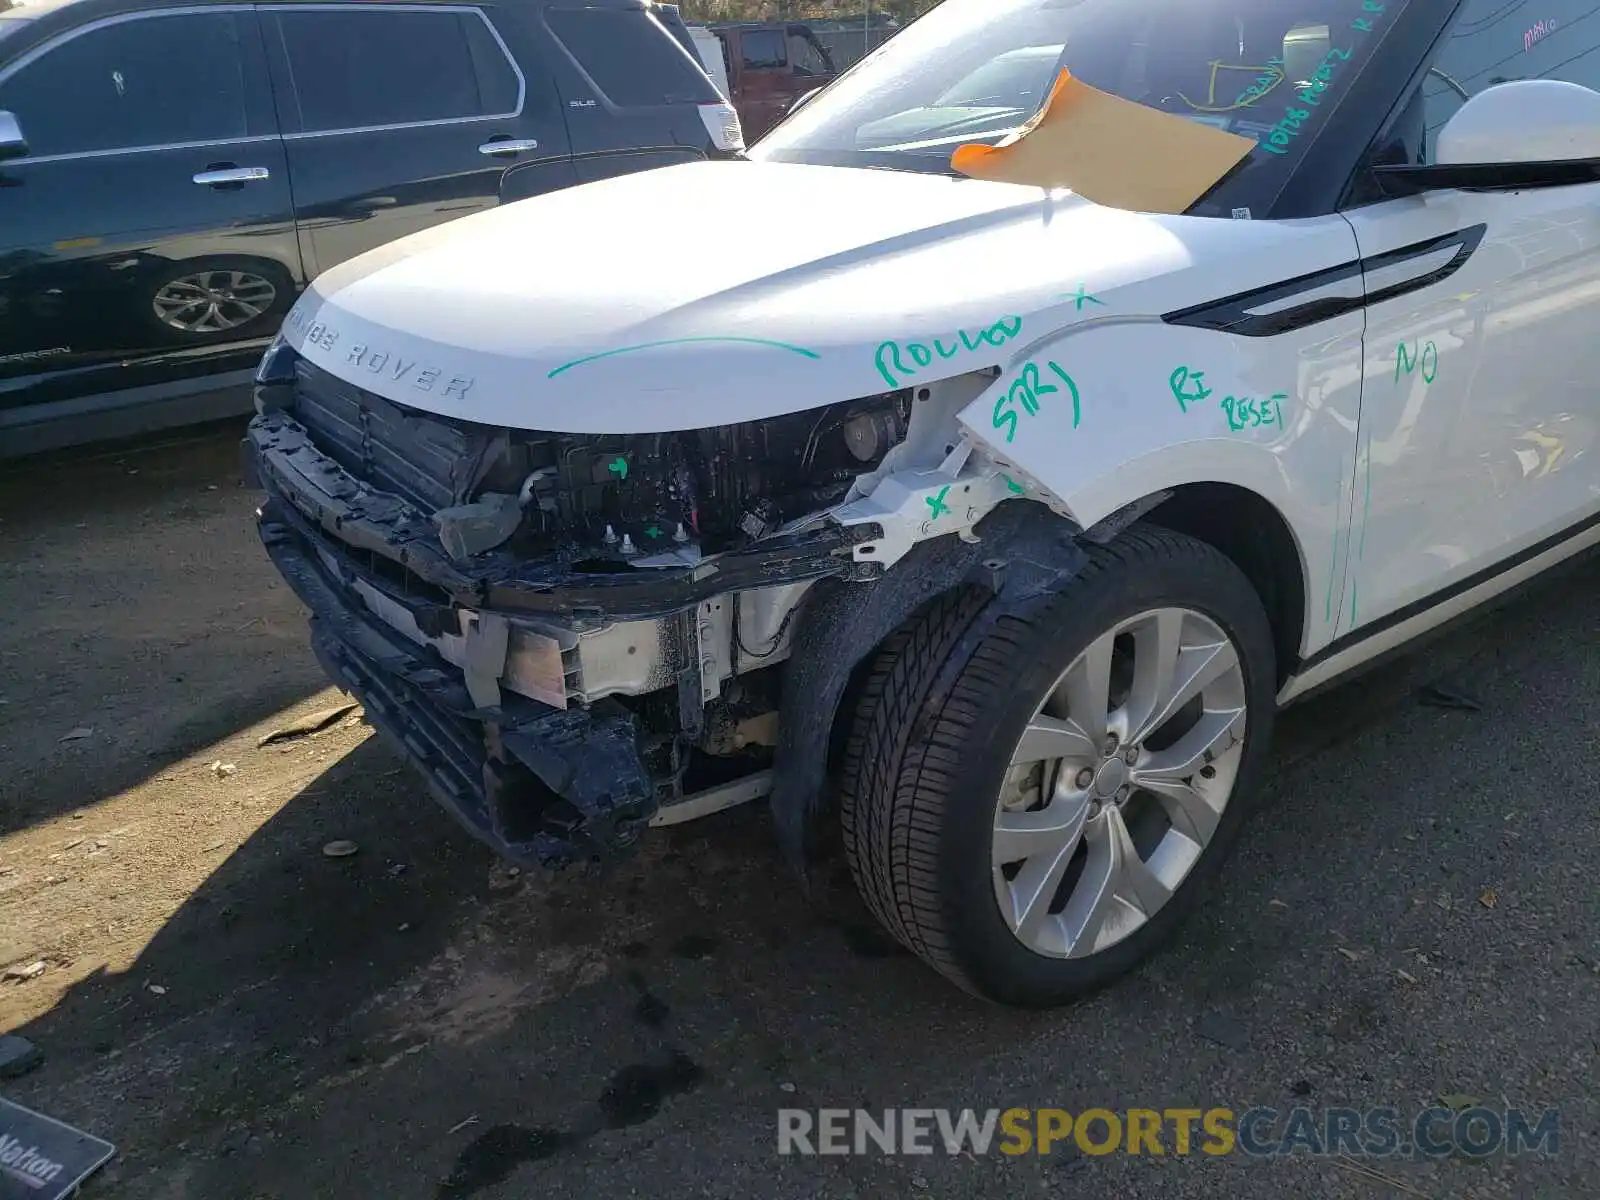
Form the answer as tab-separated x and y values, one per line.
427	460
548	787
606	495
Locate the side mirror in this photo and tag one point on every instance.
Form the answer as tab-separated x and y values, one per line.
12	143
1527	133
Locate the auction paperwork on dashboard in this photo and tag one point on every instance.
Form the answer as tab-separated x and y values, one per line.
1113	151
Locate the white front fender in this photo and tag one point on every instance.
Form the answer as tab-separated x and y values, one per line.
1110	412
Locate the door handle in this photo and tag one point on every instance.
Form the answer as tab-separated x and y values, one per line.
232	175
508	146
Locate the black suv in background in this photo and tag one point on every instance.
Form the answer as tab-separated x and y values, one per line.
171	175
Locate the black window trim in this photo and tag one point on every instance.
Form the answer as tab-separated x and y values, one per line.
783	40
1320	184
599	93
34	54
1349	200
278	10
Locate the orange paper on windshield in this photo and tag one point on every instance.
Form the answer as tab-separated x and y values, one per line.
1109	150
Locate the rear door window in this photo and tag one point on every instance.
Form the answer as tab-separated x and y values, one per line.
362	68
762	49
807	56
155	81
629	57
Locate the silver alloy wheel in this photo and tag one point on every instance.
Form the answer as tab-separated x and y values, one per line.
1119	782
214	301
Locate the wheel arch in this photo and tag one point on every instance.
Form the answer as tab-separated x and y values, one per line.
1024	550
1254	535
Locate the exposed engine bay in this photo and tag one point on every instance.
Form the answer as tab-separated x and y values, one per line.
609	502
579	636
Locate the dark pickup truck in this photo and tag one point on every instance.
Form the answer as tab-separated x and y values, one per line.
769	68
173	173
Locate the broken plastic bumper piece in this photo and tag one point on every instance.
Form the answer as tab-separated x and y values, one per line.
537	784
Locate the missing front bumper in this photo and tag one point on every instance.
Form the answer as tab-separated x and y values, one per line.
536	784
539	786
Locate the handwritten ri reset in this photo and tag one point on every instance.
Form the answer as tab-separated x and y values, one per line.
1243	412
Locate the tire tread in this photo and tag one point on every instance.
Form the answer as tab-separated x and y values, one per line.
902	765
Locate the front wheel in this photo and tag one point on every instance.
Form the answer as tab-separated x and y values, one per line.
1043	827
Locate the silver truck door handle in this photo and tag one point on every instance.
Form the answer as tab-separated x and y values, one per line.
233	175
509	146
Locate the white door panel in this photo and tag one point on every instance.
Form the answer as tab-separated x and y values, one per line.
1478	407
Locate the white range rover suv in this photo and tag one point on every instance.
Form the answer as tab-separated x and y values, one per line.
992	521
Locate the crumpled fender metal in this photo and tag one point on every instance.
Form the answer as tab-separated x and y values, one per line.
1024	555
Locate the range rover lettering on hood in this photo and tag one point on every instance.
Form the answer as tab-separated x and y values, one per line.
392	367
581	312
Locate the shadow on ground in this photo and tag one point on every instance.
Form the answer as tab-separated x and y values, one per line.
416	1021
142	619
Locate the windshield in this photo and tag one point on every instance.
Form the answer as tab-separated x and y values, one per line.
977	70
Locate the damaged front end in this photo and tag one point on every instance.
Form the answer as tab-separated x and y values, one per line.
573	636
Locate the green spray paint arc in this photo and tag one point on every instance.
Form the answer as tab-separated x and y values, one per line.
1361	547
746	341
1333	575
1339	528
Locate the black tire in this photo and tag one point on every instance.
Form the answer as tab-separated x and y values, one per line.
922	776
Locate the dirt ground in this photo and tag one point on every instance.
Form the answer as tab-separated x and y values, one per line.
246	1017
143	635
167	869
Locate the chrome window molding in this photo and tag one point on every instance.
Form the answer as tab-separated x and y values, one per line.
148	14
460	10
117	153
60	39
152	14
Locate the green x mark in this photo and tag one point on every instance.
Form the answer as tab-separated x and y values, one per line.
937	503
654	531
1083	297
1013	486
619	468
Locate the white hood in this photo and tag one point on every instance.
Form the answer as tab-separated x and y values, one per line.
713	293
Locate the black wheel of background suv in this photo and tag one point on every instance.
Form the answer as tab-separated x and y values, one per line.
218	299
1043	828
